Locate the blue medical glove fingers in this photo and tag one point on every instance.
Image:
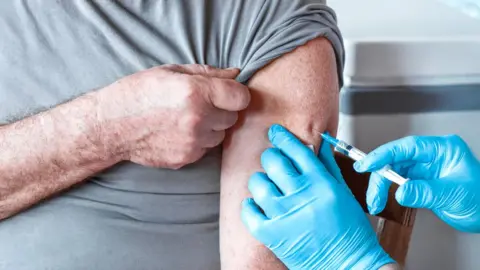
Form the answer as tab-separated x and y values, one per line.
420	194
325	155
443	194
412	148
252	217
281	171
377	193
301	156
455	140
265	194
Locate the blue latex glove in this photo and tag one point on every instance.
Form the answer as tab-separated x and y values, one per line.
444	173
310	219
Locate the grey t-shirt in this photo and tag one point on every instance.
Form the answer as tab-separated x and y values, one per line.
132	217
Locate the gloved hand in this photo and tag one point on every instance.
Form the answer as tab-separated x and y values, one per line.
304	214
444	173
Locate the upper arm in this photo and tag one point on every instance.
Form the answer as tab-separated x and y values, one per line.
298	90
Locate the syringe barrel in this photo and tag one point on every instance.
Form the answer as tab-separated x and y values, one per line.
391	175
349	151
357	155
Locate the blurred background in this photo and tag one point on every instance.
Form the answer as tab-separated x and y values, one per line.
413	67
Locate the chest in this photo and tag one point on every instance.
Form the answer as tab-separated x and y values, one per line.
52	51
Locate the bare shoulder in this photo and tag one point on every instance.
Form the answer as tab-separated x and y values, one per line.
315	53
302	86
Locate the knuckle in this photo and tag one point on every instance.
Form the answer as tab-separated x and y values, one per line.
184	158
181	159
193	90
190	142
268	153
455	138
206	68
407	147
189	87
256	229
310	211
147	161
217	139
176	166
329	196
240	95
192	122
412	140
255	226
255	181
194	154
252	225
197	67
456	142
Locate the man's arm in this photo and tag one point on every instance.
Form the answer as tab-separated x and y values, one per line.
49	152
298	90
151	118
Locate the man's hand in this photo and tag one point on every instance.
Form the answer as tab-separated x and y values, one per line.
169	116
305	213
444	173
166	116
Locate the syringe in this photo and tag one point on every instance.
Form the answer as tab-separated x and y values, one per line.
356	154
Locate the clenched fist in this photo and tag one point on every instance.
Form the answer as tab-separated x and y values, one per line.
169	116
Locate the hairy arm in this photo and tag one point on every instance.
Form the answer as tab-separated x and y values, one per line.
300	91
49	152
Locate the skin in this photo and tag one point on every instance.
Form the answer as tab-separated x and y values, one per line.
167	116
56	149
298	90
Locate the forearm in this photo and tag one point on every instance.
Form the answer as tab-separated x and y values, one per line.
49	152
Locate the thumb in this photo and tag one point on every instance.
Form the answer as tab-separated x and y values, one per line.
252	217
419	194
205	70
